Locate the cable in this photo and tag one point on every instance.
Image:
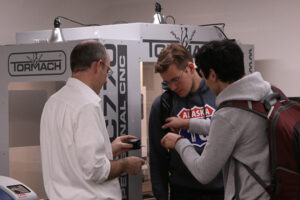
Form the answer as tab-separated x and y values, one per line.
216	25
221	32
120	22
170	16
76	22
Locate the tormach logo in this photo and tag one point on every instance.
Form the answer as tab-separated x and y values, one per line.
184	37
37	63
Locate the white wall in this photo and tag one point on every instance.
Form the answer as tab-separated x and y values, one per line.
271	25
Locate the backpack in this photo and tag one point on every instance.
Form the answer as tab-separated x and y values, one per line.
283	118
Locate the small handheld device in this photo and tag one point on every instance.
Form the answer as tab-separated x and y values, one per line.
135	142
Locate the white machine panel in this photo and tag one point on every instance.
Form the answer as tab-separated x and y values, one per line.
50	62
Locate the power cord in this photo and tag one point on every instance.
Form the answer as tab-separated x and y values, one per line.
170	16
216	25
76	22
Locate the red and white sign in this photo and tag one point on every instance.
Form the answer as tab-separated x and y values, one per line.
196	112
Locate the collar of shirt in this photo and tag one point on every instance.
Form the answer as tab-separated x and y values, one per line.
84	89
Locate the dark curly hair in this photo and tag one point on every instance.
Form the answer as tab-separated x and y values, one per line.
224	57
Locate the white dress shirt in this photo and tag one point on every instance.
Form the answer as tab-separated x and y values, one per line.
75	146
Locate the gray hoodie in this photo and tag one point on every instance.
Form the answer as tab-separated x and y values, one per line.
234	133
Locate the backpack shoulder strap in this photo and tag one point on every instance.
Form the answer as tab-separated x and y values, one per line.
252	106
166	105
261	108
252	173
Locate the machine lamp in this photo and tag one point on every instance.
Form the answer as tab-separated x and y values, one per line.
56	34
158	17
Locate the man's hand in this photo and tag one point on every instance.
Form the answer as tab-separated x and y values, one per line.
175	123
120	146
133	164
130	165
169	141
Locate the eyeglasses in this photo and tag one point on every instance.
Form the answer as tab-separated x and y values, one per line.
176	79
109	71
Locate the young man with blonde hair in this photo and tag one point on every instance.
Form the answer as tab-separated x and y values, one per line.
190	98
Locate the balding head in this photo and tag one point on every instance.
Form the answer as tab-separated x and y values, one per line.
85	53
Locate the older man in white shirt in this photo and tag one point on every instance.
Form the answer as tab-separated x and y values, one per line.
77	156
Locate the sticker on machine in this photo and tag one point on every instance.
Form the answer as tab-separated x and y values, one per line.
37	63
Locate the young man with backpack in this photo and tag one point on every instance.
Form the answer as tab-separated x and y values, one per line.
187	96
238	141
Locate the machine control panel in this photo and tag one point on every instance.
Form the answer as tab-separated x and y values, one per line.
11	189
